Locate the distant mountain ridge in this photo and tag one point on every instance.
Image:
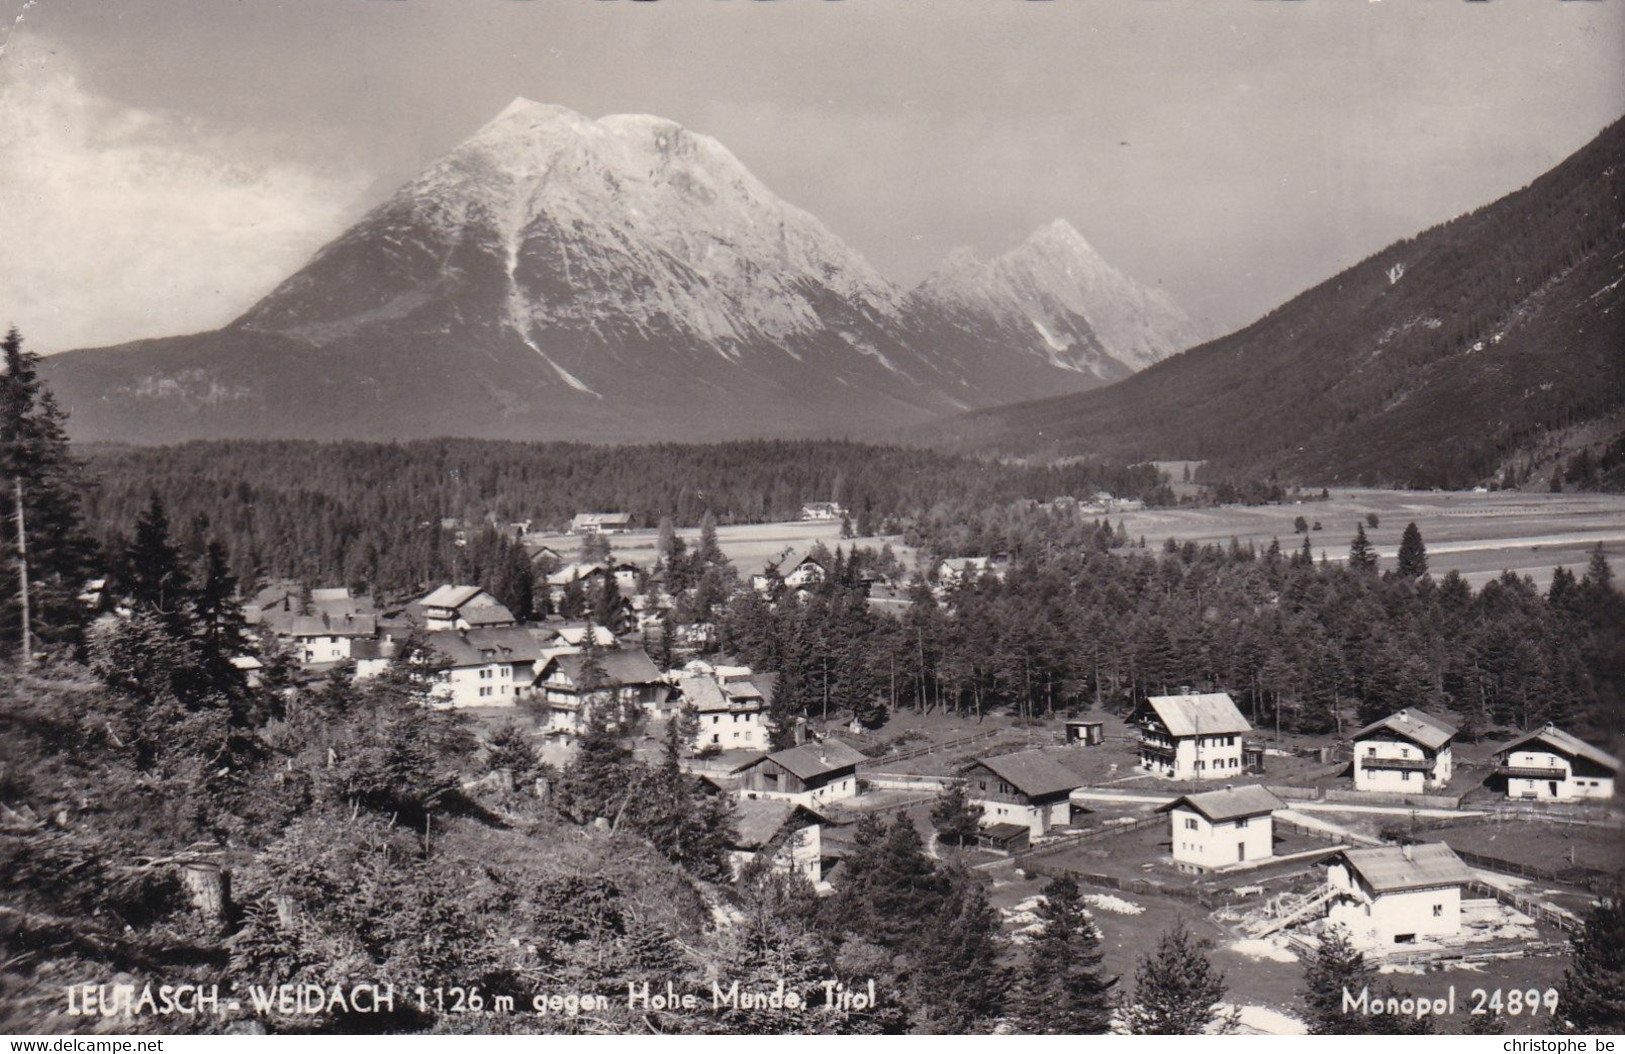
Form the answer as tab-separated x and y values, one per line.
1443	360
558	277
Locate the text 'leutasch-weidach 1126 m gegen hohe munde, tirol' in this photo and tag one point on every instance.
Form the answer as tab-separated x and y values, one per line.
718	517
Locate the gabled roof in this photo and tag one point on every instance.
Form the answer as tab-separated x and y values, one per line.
1420	728
328	626
1231	803
1563	743
759	820
469	648
620	665
1392	868
1203	714
1033	773
703	693
450	596
811	760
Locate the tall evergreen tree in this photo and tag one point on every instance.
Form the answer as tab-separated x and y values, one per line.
1176	988
1413	555
35	459
957	821
1060	990
1362	555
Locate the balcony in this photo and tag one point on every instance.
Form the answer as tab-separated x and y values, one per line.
1531	772
1398	764
1161	751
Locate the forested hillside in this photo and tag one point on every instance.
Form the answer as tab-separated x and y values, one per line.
1433	363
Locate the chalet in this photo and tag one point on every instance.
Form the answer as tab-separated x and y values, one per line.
319	639
601	523
574	634
1396	894
1407	751
1223	827
1085	733
461	608
1191	736
822	510
795	568
624	675
731	716
810	774
786	834
1550	764
372	657
1028	788
483	667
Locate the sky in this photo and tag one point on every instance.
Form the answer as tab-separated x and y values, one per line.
164	163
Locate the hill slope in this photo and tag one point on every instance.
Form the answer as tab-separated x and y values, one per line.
556	277
1428	364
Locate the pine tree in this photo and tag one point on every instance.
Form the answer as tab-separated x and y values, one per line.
691	829
1362	556
1591	996
35	458
1599	576
1061	990
1335	966
153	576
957	982
1176	988
1413	555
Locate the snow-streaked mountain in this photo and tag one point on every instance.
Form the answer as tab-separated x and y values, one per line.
556	276
1054	302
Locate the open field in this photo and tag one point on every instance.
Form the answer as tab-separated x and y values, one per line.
1479	535
749	545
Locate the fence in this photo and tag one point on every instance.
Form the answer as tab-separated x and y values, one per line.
932	748
1077	838
1529	906
1576	875
1420	801
1335	837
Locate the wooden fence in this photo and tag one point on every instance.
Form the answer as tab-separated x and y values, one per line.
1070	841
1528	905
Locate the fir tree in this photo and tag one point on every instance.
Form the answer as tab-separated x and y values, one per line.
1591	996
35	459
1335	966
1176	988
1413	555
1060	990
957	981
1362	555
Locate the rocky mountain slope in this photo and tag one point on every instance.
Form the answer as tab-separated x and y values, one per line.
555	277
1437	362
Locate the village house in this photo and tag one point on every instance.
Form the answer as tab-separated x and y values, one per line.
601	523
795	568
483	667
1027	788
810	774
460	608
1191	736
1396	894
1222	827
1549	764
1404	752
372	657
321	639
822	510
625	675
590	577
788	835
730	715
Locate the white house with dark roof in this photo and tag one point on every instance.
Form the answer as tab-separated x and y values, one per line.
788	835
1223	827
810	774
1028	788
730	716
1193	736
324	638
564	680
1549	764
1407	752
1396	894
483	667
461	608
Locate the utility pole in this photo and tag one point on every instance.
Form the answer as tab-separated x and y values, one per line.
22	578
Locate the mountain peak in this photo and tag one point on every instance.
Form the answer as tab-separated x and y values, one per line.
1059	236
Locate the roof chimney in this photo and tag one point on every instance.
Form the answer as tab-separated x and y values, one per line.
1404	715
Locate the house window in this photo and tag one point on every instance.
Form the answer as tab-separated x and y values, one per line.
1438	911
1242	822
1190	823
1406	775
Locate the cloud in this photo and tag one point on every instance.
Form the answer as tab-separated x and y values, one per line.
119	223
